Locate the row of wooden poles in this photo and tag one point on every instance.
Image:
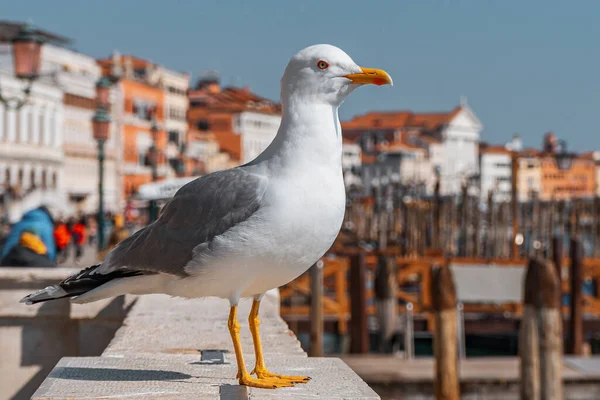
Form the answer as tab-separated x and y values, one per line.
540	337
464	227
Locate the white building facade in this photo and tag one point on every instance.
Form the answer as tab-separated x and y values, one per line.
257	131
175	86
496	174
31	154
460	142
77	75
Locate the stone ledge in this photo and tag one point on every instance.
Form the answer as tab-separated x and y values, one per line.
159	352
115	378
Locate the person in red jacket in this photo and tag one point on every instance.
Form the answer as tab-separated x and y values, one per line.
62	237
79	238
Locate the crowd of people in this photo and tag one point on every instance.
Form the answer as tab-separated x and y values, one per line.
39	240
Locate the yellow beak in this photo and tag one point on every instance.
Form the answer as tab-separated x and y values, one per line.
371	75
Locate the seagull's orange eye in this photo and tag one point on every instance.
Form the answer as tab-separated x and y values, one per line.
322	64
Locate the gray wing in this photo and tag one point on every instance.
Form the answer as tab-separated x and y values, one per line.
199	211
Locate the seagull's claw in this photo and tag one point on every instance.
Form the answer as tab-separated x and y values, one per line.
264	383
265	374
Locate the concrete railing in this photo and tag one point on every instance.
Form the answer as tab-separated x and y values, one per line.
34	338
171	348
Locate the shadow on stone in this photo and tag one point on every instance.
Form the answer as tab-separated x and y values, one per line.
116	374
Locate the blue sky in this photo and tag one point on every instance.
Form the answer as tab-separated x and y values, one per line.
524	66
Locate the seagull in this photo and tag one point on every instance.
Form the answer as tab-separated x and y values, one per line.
240	232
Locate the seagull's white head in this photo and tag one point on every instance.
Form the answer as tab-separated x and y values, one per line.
325	74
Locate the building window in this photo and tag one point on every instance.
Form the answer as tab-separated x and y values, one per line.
54	180
20	178
203	125
175	90
32	178
18	133
144	110
174	137
41	130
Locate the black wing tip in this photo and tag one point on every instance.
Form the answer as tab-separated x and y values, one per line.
53	292
77	284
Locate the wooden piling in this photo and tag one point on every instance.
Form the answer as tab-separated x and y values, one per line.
436	214
540	337
514	192
489	229
316	309
385	295
358	305
447	385
557	254
529	342
576	280
465	246
596	226
476	229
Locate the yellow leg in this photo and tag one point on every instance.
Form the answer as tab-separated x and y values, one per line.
260	369
243	375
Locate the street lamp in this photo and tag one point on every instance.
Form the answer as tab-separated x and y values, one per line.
103	91
101	127
563	158
153	155
27	47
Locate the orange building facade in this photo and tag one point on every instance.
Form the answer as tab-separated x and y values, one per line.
577	181
241	122
142	104
139	105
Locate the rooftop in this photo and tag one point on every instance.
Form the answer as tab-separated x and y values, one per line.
401	119
231	99
10	29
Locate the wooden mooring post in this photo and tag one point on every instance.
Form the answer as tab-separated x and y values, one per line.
445	349
316	309
557	254
576	316
540	336
385	295
359	333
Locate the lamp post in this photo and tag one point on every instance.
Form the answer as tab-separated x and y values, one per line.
101	126
153	155
564	159
27	47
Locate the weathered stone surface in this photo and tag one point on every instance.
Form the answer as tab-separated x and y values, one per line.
110	377
158	353
160	325
34	338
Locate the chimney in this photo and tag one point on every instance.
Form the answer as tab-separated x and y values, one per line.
550	143
209	82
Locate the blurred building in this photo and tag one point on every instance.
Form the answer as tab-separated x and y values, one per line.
529	176
495	166
204	155
148	95
351	162
596	158
78	74
495	172
31	138
551	173
565	175
450	141
243	123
